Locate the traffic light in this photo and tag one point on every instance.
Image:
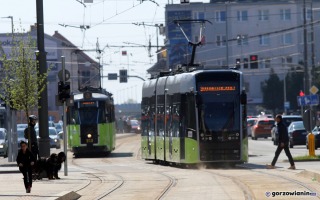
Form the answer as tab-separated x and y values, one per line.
238	63
245	63
254	61
63	91
301	93
123	76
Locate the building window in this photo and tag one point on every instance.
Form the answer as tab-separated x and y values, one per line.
265	63
308	14
310	37
285	14
85	77
242	15
220	16
221	40
242	40
199	15
287	38
263	15
264	40
285	60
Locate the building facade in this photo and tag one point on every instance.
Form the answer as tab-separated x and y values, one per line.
84	71
253	36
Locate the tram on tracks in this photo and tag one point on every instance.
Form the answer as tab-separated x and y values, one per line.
195	117
91	124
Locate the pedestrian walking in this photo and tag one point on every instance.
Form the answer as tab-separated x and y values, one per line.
283	143
31	135
25	161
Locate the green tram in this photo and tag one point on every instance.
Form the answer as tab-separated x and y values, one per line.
91	124
195	117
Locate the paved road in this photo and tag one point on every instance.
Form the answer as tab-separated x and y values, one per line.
124	175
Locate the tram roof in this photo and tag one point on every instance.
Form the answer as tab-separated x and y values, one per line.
181	82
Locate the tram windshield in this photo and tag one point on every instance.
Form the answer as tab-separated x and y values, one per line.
219	108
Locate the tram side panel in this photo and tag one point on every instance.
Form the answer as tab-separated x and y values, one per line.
148	107
160	119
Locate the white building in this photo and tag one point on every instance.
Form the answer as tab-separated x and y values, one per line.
269	31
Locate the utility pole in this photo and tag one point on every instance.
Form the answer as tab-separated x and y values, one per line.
305	42
44	141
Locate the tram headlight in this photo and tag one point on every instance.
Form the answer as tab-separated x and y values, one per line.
89	135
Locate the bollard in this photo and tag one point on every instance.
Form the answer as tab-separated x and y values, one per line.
311	144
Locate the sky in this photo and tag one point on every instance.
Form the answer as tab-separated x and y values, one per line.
111	22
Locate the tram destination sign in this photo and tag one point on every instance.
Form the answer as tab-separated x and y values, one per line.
217	88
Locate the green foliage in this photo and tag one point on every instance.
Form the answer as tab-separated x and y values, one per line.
21	81
294	83
272	91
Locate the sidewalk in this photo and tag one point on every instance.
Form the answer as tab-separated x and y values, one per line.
12	187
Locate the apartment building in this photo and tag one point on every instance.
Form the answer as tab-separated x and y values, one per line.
238	33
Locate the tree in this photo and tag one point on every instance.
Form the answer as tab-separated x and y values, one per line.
22	83
272	91
294	83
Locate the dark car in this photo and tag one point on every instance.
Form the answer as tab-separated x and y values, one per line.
316	133
297	134
287	119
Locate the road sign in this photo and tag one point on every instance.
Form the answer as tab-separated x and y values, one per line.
308	100
287	104
314	89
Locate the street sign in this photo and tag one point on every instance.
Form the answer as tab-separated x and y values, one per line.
287	104
308	100
314	89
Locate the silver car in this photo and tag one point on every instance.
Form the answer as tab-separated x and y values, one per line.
3	142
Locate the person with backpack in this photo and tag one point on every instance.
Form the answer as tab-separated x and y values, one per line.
31	135
25	161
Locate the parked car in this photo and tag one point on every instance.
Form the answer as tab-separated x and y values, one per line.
54	137
250	123
297	134
287	119
20	133
3	142
262	128
316	133
22	126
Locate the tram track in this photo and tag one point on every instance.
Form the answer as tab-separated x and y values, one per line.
97	181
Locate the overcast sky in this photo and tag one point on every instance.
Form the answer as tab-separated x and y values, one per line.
111	21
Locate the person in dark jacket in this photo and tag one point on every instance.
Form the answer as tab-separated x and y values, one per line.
283	143
31	135
25	161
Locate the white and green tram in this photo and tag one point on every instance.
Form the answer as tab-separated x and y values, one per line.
91	124
195	117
